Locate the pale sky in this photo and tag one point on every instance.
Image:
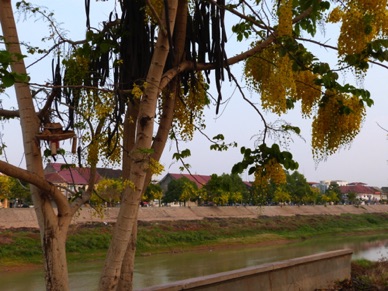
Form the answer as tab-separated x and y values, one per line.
365	160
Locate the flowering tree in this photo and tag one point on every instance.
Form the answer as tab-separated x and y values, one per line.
143	76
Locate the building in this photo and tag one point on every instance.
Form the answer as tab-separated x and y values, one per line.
363	192
69	179
72	179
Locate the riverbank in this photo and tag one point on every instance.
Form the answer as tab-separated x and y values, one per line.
20	247
91	240
25	217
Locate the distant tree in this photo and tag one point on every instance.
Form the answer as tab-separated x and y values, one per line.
5	187
334	187
178	187
281	195
189	192
109	190
153	192
224	189
20	190
313	196
352	197
330	197
235	197
298	187
261	196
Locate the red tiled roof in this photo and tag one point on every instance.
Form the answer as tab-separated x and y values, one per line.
358	189
54	178
73	176
199	180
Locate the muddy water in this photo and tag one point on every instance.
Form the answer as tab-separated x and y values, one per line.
158	269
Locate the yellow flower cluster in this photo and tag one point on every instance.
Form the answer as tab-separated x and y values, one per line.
335	15
307	91
332	127
362	21
98	107
272	76
188	111
137	91
76	68
155	167
285	18
271	171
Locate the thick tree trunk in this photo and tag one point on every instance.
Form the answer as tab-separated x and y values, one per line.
127	269
127	217
53	234
54	247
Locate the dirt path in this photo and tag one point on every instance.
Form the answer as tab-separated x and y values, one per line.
25	217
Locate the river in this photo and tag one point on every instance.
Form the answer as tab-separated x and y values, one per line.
164	268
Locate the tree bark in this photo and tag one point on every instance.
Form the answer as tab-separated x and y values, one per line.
127	271
53	231
139	156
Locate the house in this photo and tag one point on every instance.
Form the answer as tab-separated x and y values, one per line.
69	179
75	178
363	192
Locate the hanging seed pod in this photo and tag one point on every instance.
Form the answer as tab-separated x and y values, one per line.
74	145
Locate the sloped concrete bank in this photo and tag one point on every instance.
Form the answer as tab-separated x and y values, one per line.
25	217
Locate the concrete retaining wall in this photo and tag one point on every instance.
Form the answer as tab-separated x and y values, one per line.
25	217
316	272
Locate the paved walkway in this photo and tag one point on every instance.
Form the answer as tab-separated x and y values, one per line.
25	217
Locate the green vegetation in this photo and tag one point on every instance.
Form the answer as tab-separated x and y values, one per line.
90	241
366	275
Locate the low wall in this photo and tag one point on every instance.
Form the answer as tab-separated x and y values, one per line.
25	217
316	272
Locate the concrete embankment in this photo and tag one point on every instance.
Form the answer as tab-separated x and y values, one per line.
25	217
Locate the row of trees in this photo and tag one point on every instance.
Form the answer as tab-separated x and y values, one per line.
109	191
229	189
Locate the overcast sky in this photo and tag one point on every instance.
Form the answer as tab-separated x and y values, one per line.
364	161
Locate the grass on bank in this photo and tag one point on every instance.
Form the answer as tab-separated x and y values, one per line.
90	241
366	275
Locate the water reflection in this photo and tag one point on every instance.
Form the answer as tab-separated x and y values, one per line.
159	269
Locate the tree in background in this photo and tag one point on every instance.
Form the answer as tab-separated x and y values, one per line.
313	196
143	76
189	192
109	191
281	195
335	192
352	197
153	192
330	197
225	189
298	188
5	187
180	190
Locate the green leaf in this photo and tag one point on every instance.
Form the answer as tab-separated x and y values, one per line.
8	80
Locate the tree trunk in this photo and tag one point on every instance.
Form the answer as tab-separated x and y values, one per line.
53	234
54	247
126	277
128	214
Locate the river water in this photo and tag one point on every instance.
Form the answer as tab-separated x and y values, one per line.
164	268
